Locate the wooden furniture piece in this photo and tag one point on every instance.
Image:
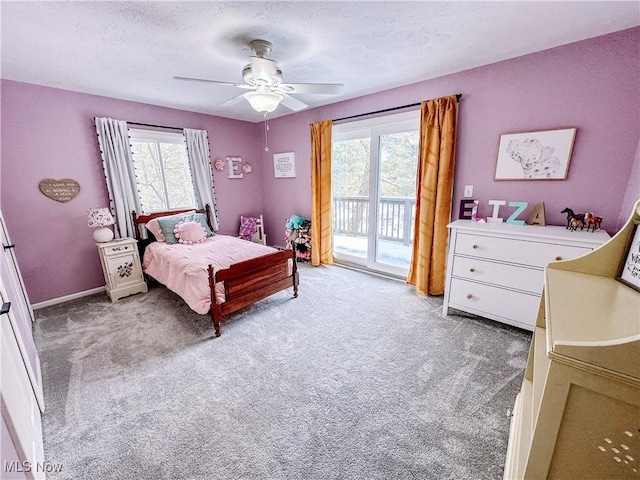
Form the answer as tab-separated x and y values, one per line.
244	282
495	270
121	267
21	392
578	412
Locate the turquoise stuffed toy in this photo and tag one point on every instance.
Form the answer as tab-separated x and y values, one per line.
296	222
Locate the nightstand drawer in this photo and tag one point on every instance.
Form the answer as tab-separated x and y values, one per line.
500	274
117	247
537	254
494	302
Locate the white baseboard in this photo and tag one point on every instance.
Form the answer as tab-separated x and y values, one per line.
66	298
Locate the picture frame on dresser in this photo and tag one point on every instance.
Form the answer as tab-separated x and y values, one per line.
629	269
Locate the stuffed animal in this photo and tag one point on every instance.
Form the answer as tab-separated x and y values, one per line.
296	222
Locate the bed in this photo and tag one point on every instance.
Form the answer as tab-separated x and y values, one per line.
219	275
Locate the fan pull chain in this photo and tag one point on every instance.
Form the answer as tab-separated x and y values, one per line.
266	130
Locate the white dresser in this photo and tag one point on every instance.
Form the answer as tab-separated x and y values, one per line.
121	266
496	270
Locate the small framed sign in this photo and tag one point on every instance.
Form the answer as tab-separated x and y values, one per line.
629	271
284	165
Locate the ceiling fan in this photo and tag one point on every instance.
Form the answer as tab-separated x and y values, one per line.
263	78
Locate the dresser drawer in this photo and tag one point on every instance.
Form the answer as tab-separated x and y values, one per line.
497	303
537	254
500	274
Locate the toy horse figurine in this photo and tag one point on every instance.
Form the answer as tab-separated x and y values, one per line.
591	221
574	220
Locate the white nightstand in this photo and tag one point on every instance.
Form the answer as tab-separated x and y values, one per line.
121	266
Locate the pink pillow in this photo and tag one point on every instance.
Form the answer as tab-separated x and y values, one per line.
248	226
189	233
154	227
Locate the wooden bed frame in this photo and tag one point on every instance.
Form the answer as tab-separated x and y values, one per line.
244	282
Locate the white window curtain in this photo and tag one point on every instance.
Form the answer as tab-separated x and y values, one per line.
113	138
200	163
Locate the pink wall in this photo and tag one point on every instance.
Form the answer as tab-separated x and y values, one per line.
49	133
591	85
632	194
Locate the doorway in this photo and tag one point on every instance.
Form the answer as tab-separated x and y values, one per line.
374	164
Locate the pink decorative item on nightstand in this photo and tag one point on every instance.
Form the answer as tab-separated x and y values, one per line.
99	218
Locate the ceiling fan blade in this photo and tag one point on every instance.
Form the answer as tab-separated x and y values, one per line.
292	103
232	101
319	88
204	80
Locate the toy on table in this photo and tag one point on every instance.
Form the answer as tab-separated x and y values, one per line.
580	220
298	232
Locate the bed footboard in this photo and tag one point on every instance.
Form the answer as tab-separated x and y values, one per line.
252	280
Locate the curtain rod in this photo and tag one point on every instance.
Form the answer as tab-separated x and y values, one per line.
156	126
458	95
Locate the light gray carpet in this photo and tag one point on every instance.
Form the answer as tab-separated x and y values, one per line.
358	378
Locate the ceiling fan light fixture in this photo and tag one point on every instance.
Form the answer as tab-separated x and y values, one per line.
263	102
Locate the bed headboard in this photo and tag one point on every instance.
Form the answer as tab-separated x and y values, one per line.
140	220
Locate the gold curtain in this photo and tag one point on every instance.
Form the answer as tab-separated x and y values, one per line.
321	227
434	192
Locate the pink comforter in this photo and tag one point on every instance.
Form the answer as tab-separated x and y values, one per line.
183	268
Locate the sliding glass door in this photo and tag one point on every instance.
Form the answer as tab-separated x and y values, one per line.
374	165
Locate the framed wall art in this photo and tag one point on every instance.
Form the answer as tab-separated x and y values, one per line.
542	155
629	270
284	165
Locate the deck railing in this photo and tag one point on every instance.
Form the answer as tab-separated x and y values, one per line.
395	217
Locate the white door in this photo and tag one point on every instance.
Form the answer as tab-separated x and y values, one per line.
20	409
20	375
20	314
373	167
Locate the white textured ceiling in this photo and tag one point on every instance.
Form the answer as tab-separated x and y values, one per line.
131	50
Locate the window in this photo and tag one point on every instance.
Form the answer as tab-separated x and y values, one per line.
162	170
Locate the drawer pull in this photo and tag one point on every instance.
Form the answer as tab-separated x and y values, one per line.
558	258
474	246
472	269
469	296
